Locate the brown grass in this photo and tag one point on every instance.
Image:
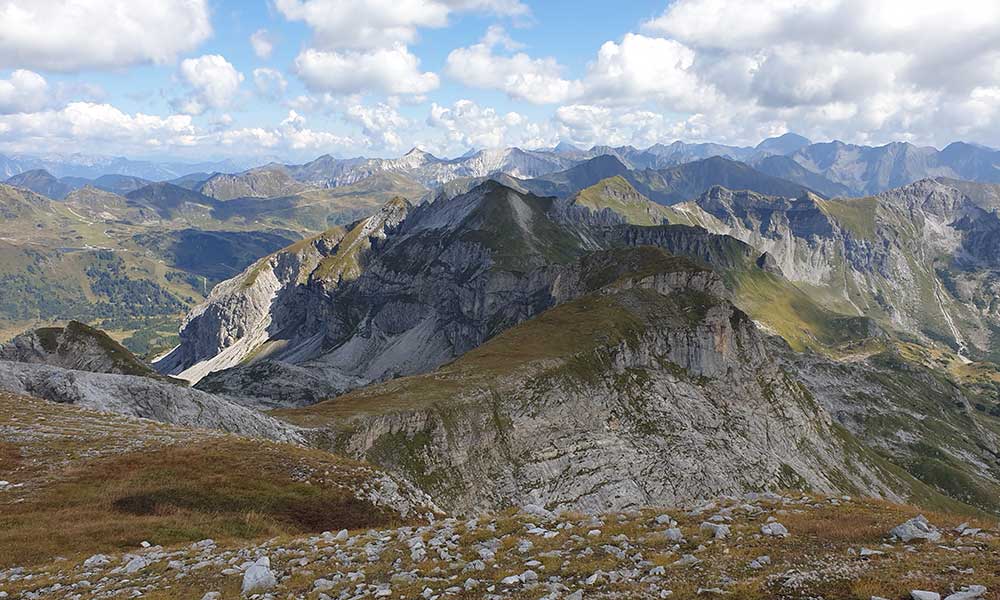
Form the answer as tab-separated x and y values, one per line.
226	488
10	457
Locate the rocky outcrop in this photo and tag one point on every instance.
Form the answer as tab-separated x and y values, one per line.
926	423
917	259
658	391
405	291
76	346
141	397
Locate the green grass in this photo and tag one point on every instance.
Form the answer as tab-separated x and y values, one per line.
618	195
793	314
856	215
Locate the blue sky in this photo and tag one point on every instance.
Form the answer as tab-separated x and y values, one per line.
181	78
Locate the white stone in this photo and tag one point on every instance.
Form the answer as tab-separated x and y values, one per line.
97	560
259	578
972	592
717	531
136	564
923	595
917	528
774	529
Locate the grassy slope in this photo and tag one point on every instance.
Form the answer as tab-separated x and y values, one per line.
618	195
130	480
794	315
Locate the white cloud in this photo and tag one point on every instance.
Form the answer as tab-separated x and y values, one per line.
588	125
851	69
262	44
86	124
68	36
214	80
102	128
642	68
270	83
382	23
387	70
536	80
379	123
466	124
25	91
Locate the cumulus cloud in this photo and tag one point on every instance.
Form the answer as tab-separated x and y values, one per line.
85	123
25	91
387	70
865	71
262	44
214	81
94	127
361	46
381	23
98	34
587	125
270	83
465	124
379	123
642	68
536	80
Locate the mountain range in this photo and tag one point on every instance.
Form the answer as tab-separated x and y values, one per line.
830	168
562	323
523	352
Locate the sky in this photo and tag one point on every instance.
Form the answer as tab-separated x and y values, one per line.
294	79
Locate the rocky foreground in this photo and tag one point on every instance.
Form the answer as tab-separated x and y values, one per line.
757	546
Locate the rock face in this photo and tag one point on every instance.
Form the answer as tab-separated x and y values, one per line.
269	300
400	293
75	346
140	397
921	259
653	389
923	421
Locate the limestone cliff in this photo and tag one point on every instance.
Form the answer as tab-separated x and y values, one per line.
651	389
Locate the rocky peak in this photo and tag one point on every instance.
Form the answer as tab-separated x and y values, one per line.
76	346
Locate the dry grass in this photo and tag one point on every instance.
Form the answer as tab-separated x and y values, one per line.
85	494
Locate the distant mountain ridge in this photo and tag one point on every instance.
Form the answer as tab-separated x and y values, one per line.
94	166
830	168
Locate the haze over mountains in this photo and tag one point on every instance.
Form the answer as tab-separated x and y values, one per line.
829	168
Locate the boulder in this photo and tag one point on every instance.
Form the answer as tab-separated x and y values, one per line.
259	578
972	592
917	528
